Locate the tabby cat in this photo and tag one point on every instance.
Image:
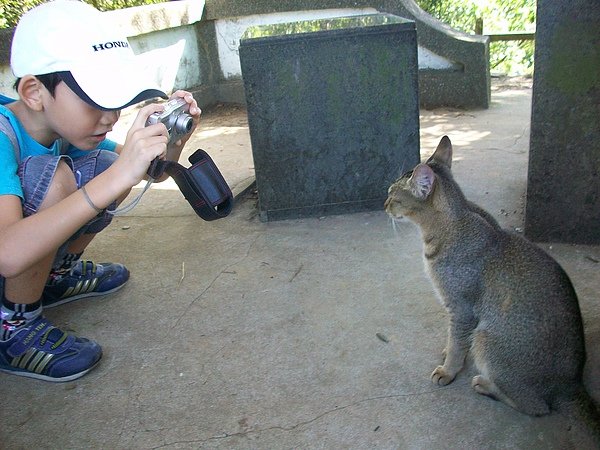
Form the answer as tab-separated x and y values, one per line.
510	304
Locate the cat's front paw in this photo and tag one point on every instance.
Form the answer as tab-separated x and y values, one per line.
441	377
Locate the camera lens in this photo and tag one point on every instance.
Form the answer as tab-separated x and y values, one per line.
183	124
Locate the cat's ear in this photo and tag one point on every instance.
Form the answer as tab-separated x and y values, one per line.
422	181
443	152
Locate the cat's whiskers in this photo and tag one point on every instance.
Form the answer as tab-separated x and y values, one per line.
394	227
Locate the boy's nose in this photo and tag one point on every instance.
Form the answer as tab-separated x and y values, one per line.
110	117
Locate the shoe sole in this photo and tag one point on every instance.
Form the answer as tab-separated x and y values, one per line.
38	376
81	296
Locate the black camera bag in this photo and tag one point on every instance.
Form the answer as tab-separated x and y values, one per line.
201	184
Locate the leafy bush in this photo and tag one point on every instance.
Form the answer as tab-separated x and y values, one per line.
499	16
12	10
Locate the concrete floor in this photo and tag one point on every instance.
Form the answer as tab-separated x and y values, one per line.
237	334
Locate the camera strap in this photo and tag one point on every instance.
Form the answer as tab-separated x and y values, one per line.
201	184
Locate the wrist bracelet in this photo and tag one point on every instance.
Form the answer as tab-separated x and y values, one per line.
89	200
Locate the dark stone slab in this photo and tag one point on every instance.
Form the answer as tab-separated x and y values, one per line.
563	191
332	112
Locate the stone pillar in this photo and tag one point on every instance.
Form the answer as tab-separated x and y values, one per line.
333	112
563	190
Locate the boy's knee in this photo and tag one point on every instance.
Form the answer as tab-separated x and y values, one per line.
63	184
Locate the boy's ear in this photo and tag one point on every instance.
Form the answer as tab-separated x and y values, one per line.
30	92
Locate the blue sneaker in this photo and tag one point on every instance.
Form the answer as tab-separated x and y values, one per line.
44	352
85	279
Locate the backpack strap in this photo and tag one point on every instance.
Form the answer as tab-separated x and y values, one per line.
8	130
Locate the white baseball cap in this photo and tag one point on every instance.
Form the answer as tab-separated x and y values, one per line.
89	54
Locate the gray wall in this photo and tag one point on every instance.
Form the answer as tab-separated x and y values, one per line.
186	35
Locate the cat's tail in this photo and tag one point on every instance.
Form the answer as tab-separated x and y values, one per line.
583	413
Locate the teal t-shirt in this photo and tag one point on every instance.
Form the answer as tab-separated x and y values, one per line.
10	184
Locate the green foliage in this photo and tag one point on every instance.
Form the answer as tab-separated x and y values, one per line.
12	10
499	16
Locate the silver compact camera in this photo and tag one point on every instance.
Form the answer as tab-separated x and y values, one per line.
175	117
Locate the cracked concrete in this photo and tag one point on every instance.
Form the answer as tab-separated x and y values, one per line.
237	334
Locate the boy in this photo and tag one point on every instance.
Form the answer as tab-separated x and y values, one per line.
59	174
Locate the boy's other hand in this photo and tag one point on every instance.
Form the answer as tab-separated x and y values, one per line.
194	111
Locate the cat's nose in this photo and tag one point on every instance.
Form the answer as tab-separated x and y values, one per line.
387	203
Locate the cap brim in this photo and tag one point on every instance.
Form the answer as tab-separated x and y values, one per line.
110	92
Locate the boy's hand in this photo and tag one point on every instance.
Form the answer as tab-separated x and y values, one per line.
142	144
194	111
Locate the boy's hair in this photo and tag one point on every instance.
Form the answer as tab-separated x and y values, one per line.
49	80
